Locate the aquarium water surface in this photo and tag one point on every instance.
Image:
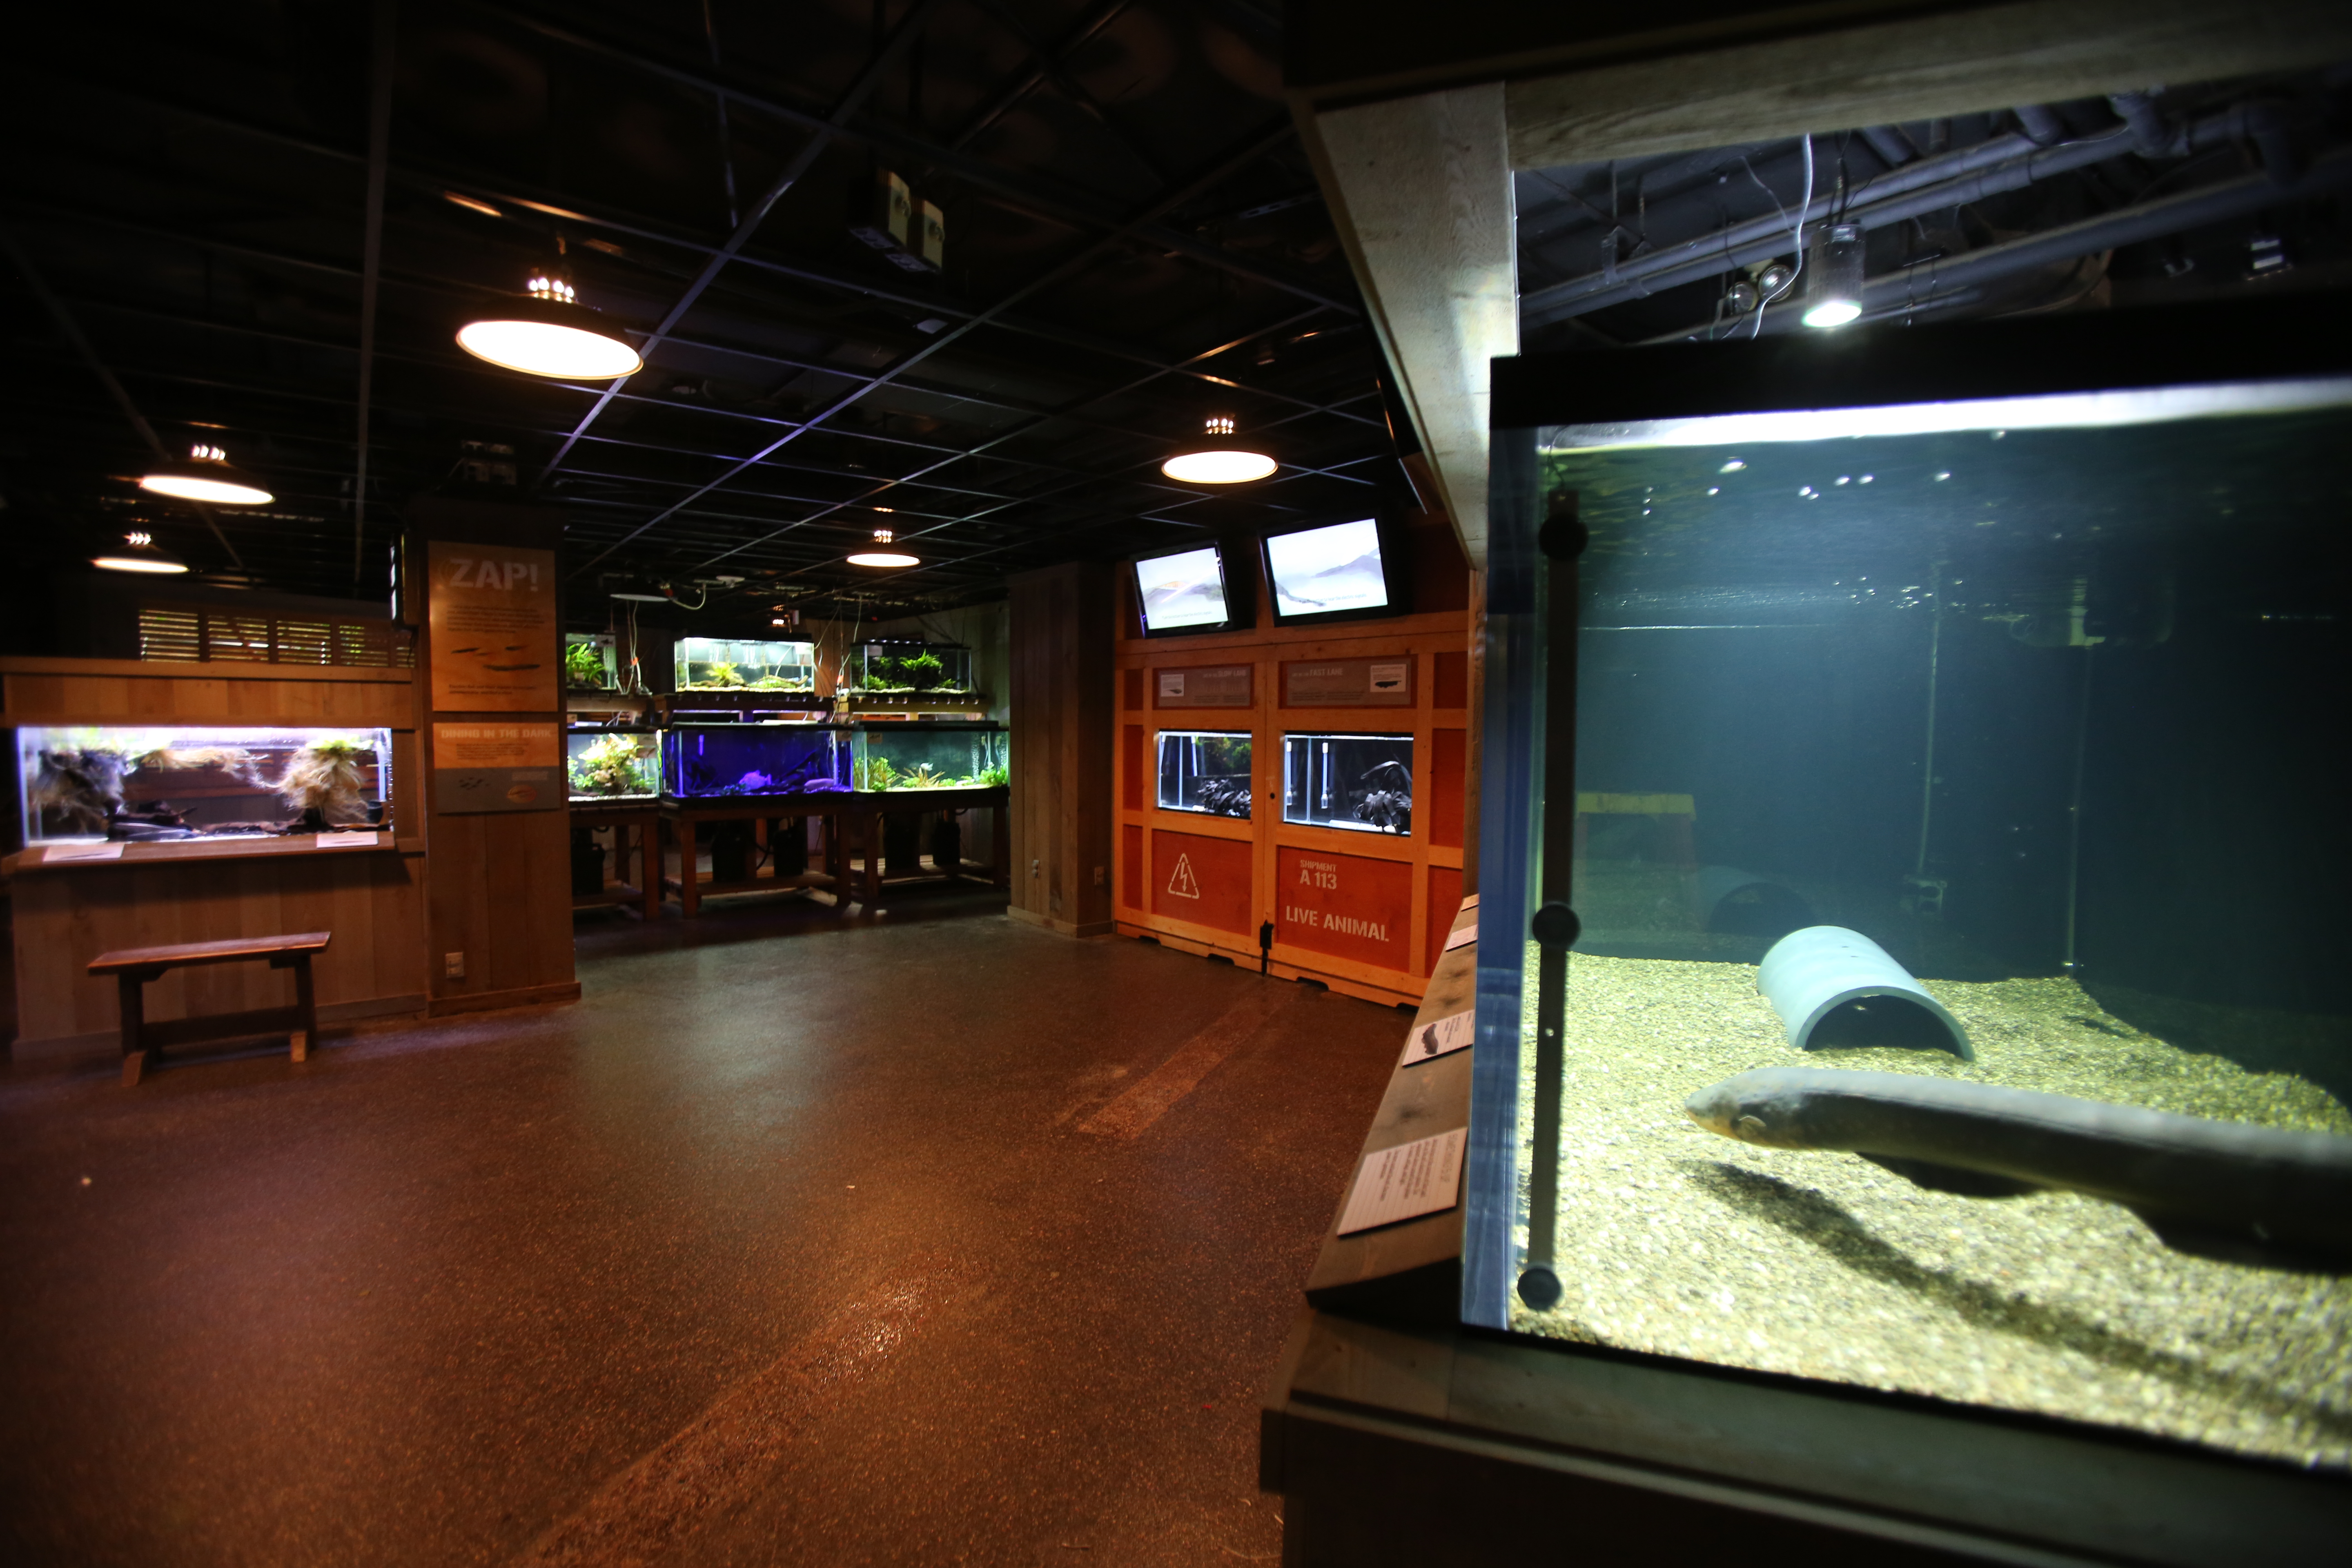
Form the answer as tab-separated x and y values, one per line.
2049	705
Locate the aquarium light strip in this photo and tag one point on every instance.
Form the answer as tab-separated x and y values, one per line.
2050	411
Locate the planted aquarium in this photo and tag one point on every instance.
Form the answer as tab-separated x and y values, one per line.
701	761
1955	848
1205	771
589	662
737	664
903	668
1361	783
613	764
917	755
88	782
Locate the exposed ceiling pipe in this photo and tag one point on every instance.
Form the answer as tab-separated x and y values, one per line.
2153	136
1761	239
2041	124
1893	148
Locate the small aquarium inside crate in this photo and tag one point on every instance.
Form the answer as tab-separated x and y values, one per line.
735	664
89	782
921	754
701	761
1361	783
613	764
905	668
1205	771
590	663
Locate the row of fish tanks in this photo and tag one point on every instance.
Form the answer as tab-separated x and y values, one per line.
724	760
593	662
1944	928
1358	783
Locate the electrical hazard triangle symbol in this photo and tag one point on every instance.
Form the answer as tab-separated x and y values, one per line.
1183	884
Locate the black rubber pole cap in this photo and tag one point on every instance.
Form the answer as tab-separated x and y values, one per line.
1540	1287
1563	535
1556	925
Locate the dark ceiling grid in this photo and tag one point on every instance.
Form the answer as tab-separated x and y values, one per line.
1058	459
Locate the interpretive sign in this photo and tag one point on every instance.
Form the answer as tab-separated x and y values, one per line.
1423	1176
1440	1037
1203	686
498	767
1348	683
1346	905
492	628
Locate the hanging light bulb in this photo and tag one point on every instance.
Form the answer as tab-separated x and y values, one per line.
545	330
881	557
1219	459
139	553
206	475
1833	294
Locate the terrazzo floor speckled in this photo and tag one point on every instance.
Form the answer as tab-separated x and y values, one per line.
1678	1242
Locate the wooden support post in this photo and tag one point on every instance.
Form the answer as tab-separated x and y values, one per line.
132	985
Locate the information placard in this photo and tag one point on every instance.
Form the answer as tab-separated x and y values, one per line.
1348	683
1423	1176
491	628
1202	685
498	767
1440	1037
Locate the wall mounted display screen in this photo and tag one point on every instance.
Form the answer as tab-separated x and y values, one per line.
1334	571
1182	593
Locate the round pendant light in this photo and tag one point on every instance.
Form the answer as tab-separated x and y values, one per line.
544	331
1219	459
884	557
206	475
1834	295
139	553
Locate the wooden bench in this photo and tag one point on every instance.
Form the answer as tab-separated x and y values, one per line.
132	967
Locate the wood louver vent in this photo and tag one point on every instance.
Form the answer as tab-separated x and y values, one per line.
199	632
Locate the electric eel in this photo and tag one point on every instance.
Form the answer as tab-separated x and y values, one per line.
2220	1189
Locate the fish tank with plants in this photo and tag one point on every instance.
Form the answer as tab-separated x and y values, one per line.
1206	771
613	764
1360	783
83	784
917	755
742	665
715	760
589	662
896	667
1939	909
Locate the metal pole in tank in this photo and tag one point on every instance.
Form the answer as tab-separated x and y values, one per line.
2068	963
1927	756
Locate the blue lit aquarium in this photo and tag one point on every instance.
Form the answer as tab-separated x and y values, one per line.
717	761
613	764
1207	770
1957	851
899	756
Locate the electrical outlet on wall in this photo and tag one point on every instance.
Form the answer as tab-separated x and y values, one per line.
452	965
1100	874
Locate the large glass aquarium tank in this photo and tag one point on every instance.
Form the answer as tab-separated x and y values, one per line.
1207	770
897	756
1360	783
141	785
712	760
903	666
1942	899
741	664
604	765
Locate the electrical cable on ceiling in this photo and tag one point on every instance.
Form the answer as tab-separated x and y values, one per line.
1797	233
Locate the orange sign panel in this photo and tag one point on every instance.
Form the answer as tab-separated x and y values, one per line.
1202	880
1345	905
492	627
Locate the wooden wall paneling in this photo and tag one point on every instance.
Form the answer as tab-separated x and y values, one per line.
1063	712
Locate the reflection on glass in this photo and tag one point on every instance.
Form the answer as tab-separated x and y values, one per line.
1205	771
1363	782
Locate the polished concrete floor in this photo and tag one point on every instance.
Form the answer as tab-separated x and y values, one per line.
934	1239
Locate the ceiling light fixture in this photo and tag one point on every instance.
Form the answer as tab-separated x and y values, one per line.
472	204
139	553
884	557
1833	294
1218	460
545	330
206	475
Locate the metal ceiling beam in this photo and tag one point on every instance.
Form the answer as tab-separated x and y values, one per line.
1041	63
901	39
381	53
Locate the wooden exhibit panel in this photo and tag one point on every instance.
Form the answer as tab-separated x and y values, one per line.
68	914
1060	820
1346	907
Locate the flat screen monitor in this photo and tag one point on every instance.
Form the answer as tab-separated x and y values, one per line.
1183	592
1331	571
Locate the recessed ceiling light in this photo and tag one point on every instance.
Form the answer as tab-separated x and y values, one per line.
1833	294
546	331
206	475
472	204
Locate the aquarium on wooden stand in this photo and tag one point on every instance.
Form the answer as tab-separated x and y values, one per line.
716	761
744	664
904	668
900	756
612	765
